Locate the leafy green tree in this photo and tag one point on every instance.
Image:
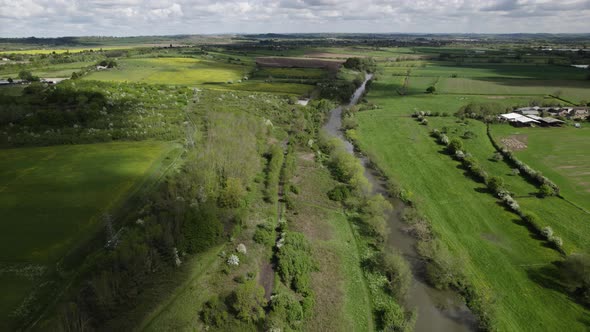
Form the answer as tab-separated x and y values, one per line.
27	76
545	190
495	183
233	193
455	144
575	271
248	301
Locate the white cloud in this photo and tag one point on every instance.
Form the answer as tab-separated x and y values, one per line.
20	18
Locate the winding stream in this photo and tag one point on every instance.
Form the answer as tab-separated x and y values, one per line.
437	310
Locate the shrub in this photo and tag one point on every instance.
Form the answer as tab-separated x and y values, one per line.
391	317
233	193
497	156
339	193
575	271
264	234
431	89
214	312
547	232
295	262
287	308
248	301
495	184
443	269
398	273
545	190
455	144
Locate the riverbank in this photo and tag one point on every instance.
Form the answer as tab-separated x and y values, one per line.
436	310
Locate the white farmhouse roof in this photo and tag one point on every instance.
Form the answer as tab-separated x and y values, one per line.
524	119
510	116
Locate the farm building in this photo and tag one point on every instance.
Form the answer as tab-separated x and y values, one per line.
518	119
546	121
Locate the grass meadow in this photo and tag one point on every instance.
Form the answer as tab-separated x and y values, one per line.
171	71
559	153
502	253
505	260
52	198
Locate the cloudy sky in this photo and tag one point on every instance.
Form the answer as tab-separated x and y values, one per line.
52	18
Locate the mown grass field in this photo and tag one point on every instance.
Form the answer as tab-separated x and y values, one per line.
567	221
52	198
559	153
502	253
171	71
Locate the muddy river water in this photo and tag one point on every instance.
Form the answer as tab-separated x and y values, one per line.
437	310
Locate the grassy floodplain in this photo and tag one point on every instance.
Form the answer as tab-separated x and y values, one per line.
505	259
53	197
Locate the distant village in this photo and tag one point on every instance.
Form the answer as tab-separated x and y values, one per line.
544	116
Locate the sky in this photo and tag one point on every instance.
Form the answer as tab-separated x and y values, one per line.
54	18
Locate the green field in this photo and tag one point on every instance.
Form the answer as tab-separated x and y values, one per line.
65	50
502	253
312	73
569	90
567	221
52	198
505	259
53	71
342	299
559	153
259	86
171	71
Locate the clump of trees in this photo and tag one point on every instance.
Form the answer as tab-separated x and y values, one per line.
482	111
108	63
28	76
361	64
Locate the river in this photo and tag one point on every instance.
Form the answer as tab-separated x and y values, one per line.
437	310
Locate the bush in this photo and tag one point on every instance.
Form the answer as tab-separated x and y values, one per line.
575	271
443	269
398	273
287	308
232	194
495	184
248	301
455	144
264	235
214	313
545	190
339	193
295	262
431	89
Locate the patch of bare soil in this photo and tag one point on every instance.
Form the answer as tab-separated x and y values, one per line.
566	167
280	62
515	142
333	55
307	156
267	278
